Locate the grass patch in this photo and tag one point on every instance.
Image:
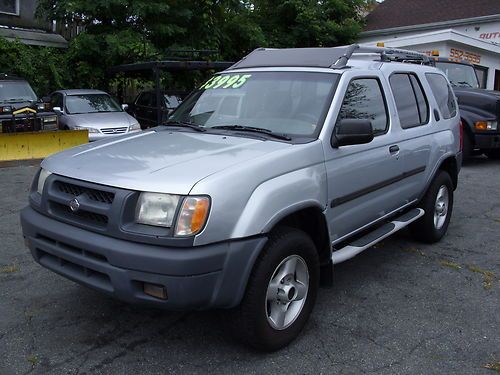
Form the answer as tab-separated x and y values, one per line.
33	359
9	269
488	276
493	366
450	264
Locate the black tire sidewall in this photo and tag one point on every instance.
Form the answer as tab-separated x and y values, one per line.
424	228
282	243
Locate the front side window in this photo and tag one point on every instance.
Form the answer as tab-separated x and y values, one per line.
411	103
364	100
291	103
443	94
91	103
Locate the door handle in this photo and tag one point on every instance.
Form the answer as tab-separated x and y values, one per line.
394	149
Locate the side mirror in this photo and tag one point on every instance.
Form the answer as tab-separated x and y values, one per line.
57	110
46	99
351	131
125	107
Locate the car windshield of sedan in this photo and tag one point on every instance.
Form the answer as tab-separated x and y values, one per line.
91	103
291	103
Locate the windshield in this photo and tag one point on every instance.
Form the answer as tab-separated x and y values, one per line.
91	103
16	91
290	103
460	75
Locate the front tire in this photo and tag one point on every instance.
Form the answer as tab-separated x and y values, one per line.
281	291
438	206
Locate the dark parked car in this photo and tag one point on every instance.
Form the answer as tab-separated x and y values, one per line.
145	108
20	108
479	108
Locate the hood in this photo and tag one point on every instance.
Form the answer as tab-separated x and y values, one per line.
100	120
477	92
163	161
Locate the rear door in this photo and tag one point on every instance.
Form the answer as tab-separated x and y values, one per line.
416	138
363	180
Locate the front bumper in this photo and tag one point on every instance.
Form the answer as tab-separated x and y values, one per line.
487	141
212	276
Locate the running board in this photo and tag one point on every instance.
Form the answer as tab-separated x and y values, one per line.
357	246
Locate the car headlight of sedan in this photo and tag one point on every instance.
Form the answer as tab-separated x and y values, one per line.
41	180
134	126
90	130
160	210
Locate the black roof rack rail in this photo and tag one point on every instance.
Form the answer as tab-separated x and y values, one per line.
330	57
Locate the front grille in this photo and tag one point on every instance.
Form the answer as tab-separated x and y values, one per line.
81	214
114	130
92	194
92	203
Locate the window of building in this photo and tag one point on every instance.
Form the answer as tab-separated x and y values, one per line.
411	103
443	94
9	6
364	99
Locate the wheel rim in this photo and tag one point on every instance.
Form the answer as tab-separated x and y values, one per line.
287	292
441	207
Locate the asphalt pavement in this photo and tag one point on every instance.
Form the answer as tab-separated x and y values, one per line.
399	308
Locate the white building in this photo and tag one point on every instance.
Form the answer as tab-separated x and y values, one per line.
464	29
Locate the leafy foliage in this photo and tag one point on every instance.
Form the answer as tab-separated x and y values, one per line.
124	31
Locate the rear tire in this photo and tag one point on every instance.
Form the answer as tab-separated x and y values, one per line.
438	206
281	291
493	154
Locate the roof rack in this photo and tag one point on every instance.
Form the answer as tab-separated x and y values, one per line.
333	57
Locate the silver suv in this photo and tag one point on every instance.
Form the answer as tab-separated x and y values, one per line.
286	163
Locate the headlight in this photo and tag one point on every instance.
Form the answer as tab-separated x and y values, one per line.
41	106
41	180
49	119
486	125
135	126
156	209
192	216
90	130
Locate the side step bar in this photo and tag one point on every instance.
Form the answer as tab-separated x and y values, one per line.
357	246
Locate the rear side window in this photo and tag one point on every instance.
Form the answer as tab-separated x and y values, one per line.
144	99
364	99
411	103
443	94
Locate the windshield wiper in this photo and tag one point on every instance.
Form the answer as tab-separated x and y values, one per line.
185	124
464	83
253	129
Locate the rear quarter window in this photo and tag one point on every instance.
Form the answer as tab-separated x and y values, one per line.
443	94
411	103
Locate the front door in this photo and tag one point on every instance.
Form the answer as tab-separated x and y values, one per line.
363	180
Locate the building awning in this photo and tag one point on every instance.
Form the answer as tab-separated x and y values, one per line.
34	37
438	36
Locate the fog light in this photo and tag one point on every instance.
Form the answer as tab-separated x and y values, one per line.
157	291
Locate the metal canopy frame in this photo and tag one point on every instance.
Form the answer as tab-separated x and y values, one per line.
154	68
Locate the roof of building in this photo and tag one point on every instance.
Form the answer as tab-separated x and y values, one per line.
400	13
